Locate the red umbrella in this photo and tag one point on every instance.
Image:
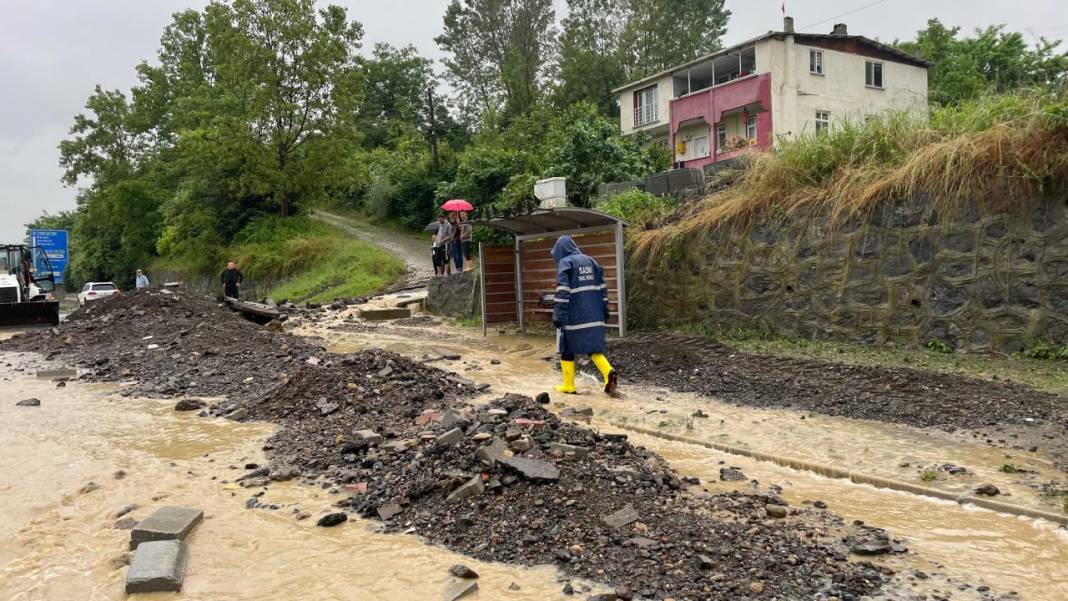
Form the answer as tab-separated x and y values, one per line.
458	204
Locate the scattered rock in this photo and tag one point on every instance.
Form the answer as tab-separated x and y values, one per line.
88	488
777	511
731	474
533	469
472	488
543	398
623	517
451	438
988	490
332	519
29	403
389	510
567	451
189	405
461	571
125	524
125	510
459	589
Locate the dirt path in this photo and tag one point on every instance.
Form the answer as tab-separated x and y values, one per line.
410	248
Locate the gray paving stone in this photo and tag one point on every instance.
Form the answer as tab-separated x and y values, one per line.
451	438
471	488
621	518
533	469
157	566
166	523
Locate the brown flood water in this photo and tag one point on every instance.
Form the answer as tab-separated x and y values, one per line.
969	544
55	542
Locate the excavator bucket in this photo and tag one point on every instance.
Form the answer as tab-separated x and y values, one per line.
44	313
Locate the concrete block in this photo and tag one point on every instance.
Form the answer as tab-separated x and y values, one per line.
459	589
157	566
368	436
533	469
166	523
48	374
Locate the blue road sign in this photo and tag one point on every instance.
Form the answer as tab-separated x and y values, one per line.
54	244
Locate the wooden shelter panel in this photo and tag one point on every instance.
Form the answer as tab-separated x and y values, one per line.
498	264
539	272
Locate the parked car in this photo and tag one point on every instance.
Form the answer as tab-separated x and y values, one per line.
96	291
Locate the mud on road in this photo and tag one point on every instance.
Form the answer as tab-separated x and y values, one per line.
997	412
505	481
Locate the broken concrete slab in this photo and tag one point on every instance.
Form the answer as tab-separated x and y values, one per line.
166	523
451	438
568	451
623	517
533	469
384	314
472	488
157	566
459	589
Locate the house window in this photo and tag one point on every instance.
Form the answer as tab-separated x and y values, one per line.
815	62
823	121
645	106
721	137
873	74
751	128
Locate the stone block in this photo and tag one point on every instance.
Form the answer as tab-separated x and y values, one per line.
158	566
533	469
472	488
490	453
166	523
450	439
368	436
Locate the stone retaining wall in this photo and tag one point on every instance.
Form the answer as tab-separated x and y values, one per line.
975	279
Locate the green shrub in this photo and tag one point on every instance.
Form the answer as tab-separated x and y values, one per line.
639	209
1044	350
938	346
929	475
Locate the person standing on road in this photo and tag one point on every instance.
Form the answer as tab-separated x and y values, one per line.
465	241
441	246
231	280
141	281
580	312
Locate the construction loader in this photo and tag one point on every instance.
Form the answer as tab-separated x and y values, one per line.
27	287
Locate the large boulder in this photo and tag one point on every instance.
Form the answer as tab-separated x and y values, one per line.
456	295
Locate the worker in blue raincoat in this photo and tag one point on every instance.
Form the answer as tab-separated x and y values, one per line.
580	312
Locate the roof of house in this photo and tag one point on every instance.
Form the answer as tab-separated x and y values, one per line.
896	53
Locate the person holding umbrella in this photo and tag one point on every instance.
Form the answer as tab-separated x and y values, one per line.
442	239
458	207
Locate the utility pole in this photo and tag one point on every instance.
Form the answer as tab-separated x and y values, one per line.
433	130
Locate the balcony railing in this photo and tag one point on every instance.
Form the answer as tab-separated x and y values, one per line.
645	114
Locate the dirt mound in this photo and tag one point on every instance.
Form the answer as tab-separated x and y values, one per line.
508	481
907	396
171	345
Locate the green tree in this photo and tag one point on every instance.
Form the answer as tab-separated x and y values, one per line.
590	62
395	83
993	60
662	33
497	52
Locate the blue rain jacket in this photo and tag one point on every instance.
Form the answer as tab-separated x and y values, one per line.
581	299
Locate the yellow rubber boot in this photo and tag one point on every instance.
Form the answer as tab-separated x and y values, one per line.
567	369
606	370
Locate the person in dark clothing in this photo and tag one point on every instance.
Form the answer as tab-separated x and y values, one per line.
465	242
456	246
580	312
231	280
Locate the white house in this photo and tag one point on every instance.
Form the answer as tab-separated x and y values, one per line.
780	84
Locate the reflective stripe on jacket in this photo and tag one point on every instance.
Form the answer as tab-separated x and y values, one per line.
581	299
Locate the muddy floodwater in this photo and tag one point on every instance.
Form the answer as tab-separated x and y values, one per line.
56	535
961	542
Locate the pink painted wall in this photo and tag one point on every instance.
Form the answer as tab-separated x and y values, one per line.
710	105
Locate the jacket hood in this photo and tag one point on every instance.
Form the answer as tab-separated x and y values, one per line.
565	246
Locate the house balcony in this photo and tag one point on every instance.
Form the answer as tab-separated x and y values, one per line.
726	114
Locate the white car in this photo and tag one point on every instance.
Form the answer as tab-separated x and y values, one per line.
97	290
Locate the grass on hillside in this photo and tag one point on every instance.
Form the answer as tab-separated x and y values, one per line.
1001	149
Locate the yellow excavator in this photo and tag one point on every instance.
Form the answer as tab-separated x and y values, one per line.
27	287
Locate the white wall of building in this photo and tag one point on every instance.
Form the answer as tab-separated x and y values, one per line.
664	94
842	91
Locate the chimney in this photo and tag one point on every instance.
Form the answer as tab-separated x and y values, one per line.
840	29
788	24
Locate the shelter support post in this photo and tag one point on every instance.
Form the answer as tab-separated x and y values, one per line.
482	284
519	283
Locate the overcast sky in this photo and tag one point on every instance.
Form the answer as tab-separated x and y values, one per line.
53	52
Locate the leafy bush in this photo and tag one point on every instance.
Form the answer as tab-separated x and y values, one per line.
639	209
938	346
1043	350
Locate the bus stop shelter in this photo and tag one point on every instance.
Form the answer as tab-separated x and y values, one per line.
518	281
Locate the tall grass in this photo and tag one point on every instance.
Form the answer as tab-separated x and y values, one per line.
999	150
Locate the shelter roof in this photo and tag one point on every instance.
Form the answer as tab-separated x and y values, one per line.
550	221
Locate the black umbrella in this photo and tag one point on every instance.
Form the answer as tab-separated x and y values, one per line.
433	226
